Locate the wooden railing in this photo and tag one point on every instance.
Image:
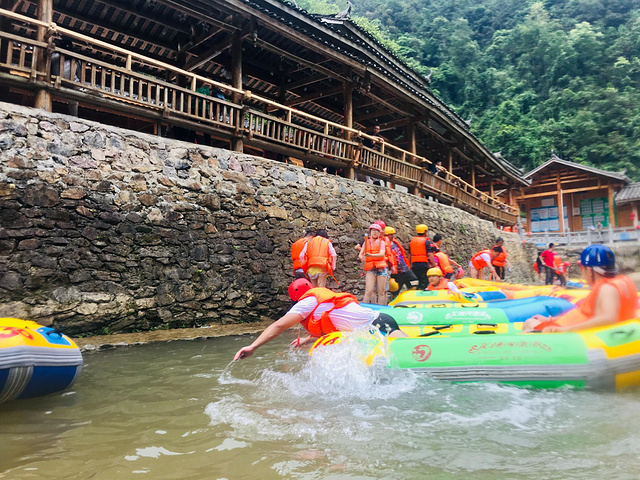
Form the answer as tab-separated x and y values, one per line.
134	79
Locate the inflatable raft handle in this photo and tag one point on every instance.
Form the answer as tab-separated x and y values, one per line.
428	334
627	333
55	332
484	332
442	327
490	325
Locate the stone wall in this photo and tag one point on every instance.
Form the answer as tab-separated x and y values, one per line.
109	230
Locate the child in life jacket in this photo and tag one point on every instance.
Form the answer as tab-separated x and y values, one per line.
613	297
322	311
438	282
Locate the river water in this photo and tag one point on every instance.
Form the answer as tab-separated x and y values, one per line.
180	410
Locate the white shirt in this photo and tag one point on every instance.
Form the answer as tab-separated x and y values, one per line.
346	319
485	256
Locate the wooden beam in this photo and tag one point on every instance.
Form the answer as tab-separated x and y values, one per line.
305	82
197	14
551	194
42	95
236	79
411	136
612	212
211	53
309	64
376	114
314	96
559	202
401	122
115	28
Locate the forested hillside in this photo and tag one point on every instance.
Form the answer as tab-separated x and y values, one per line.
535	77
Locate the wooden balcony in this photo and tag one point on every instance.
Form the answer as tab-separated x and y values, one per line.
135	85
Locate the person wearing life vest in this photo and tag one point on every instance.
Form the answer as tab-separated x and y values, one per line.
296	250
388	256
373	256
422	259
318	258
438	282
613	298
445	263
500	262
404	276
560	270
322	311
481	260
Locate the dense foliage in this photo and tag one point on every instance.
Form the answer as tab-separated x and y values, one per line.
557	76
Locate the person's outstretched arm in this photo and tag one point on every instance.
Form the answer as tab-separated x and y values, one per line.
271	332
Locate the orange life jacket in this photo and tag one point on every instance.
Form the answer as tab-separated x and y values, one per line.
444	262
557	265
389	256
586	308
402	252
535	267
478	262
501	259
296	250
442	285
373	246
324	325
418	248
318	254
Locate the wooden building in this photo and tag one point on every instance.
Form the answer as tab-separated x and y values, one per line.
628	205
585	196
260	76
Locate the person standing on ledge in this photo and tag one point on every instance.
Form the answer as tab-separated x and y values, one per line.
422	259
296	250
321	311
547	260
318	258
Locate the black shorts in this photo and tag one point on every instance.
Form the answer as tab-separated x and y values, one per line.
407	279
386	324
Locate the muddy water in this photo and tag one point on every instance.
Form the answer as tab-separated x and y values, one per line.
179	410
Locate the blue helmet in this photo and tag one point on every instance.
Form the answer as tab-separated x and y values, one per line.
600	258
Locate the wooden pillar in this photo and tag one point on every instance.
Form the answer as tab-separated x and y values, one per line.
43	96
634	210
347	97
559	202
450	161
612	212
491	186
473	175
236	82
411	136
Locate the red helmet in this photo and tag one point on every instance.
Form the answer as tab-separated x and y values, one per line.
299	287
382	225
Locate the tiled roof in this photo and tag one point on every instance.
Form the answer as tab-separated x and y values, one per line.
629	193
557	160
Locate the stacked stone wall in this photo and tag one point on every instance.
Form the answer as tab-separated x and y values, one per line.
108	230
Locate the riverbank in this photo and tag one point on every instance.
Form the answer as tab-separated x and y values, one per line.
101	342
